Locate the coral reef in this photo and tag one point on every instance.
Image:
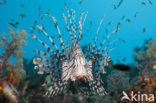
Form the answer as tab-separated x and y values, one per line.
145	61
140	78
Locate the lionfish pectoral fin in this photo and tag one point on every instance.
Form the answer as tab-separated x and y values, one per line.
90	63
67	52
57	88
36	60
85	91
65	71
97	88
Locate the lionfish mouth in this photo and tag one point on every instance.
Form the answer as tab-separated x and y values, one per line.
80	77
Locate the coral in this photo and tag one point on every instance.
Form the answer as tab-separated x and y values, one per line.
11	64
145	58
145	87
12	47
116	84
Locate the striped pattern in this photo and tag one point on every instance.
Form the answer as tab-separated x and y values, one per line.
61	41
46	46
97	87
108	37
74	23
97	33
80	29
51	40
70	64
70	32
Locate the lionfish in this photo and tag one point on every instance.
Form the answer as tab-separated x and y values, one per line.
70	63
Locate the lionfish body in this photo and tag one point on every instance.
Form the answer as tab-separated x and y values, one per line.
77	68
70	64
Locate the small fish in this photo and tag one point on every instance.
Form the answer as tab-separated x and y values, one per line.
106	30
123	59
136	14
22	15
39	8
33	28
22	5
121	67
42	18
81	2
128	20
53	37
1	4
121	1
143	3
12	19
122	17
109	23
150	2
47	13
17	23
35	23
114	7
144	29
90	24
65	5
39	14
118	5
32	32
11	24
4	2
123	41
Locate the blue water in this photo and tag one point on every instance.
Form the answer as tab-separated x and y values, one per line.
131	32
